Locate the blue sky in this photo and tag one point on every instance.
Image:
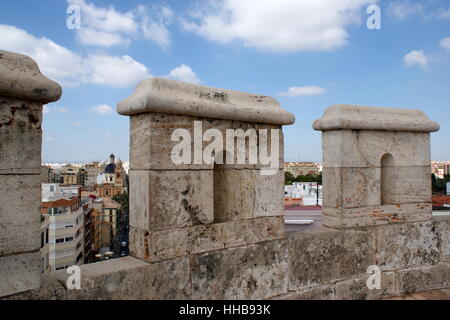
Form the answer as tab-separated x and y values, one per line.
308	54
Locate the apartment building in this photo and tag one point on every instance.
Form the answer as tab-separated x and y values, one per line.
66	226
49	175
91	172
301	168
45	243
71	175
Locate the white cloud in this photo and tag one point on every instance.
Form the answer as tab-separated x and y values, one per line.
102	109
184	73
445	15
61	109
103	26
114	71
91	37
424	9
280	26
302	91
107	27
403	10
445	43
47	109
416	57
78	124
155	26
69	68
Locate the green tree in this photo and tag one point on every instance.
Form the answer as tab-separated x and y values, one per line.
288	178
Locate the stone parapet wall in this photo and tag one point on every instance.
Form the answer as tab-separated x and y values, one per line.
211	230
316	264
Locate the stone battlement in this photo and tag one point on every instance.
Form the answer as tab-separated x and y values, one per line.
216	230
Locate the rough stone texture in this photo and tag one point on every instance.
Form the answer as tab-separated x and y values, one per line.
407	185
351	187
162	95
406	245
338	218
20	201
130	279
20	273
245	194
170	199
151	145
253	272
325	292
167	244
364	148
318	256
341	117
21	78
442	227
356	288
361	187
50	289
424	278
20	132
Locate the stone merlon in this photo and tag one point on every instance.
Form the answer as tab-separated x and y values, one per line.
21	78
159	95
350	117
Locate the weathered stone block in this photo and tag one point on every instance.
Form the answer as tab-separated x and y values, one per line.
170	199
351	187
406	245
374	216
151	145
20	129
320	255
20	202
442	227
356	288
364	148
424	278
406	185
171	243
254	272
325	292
244	194
131	279
269	195
20	273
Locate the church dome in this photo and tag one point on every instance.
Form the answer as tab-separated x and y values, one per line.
110	168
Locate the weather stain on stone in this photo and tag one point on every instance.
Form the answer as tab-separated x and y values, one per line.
146	247
215	96
194	212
